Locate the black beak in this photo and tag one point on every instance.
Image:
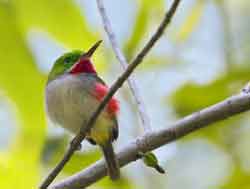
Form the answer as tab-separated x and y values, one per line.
91	51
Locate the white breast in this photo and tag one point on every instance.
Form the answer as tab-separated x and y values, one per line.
69	102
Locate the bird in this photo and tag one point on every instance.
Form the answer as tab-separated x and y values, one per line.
73	92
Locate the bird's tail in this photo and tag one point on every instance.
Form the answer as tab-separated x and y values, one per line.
111	161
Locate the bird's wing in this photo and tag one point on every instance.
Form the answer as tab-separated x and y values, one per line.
113	105
100	91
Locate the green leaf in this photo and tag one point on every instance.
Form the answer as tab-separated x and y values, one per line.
23	84
60	18
193	97
122	183
190	22
141	25
238	178
204	95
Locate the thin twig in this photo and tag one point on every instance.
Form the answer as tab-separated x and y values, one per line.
119	82
124	63
155	139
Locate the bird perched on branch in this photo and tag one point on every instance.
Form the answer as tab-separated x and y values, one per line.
73	93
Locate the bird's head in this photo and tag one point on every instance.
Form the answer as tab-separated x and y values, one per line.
74	62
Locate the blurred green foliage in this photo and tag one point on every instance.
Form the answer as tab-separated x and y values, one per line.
193	97
31	153
23	83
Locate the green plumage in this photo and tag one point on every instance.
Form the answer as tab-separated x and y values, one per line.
64	63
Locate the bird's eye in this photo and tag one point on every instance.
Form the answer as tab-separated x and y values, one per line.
66	60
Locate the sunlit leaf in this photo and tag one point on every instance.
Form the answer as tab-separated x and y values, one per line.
205	95
191	21
238	178
60	18
193	97
141	25
22	83
122	183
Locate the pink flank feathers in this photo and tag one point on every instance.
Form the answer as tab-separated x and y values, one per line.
100	92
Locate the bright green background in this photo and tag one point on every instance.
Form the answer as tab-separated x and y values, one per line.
31	153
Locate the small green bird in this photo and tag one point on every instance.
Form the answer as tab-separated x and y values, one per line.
73	93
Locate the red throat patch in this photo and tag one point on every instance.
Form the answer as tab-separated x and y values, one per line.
83	66
100	92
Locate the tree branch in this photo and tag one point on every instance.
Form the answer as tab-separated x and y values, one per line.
121	58
150	141
74	145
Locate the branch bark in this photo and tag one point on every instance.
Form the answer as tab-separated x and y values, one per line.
150	141
76	142
121	58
